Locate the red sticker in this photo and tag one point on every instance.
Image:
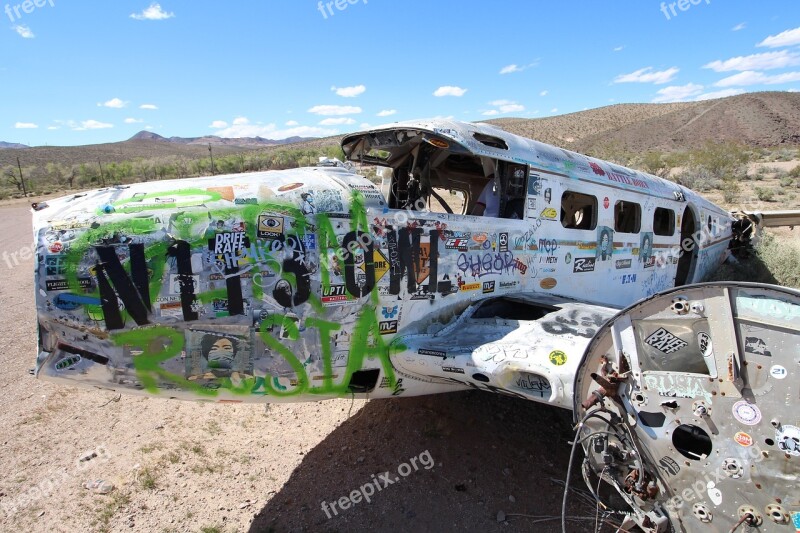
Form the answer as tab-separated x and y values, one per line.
744	439
56	248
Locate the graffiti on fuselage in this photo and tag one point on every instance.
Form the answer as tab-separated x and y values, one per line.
253	298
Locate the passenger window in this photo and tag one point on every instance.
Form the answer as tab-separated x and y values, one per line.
664	222
627	217
578	211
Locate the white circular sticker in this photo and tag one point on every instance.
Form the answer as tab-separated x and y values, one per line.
706	346
746	413
778	372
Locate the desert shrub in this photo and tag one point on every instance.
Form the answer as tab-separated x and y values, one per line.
784	154
782	259
795	172
775	260
765	194
721	160
730	192
786	181
677	159
760	174
780	174
698	179
655	163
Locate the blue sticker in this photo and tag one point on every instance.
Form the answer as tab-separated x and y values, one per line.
65	304
796	521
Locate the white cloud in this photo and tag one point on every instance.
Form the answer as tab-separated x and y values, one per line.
503	106
271	131
23	31
554	110
507	106
349	92
787	38
218	124
510	69
387	113
334	110
133	120
114	103
449	90
757	78
154	12
739	27
678	93
765	61
92	125
53	128
337	121
241	121
292	123
544	93
793	91
25	126
365	126
148	106
619	48
719	94
648	75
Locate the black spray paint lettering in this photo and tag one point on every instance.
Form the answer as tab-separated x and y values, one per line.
133	290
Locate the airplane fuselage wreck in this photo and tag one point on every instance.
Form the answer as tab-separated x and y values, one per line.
312	283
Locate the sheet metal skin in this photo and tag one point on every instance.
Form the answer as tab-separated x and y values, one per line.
241	287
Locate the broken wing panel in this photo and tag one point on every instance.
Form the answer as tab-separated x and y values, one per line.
687	405
521	347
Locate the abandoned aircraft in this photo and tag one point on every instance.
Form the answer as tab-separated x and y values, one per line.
490	262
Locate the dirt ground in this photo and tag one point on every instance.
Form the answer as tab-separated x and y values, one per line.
206	467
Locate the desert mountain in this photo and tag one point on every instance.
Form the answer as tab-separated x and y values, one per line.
5	145
216	141
765	119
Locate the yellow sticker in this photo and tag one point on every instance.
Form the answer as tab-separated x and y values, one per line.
558	358
550	213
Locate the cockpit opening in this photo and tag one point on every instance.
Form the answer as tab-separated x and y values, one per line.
432	173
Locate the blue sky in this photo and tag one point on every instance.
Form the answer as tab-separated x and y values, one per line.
81	73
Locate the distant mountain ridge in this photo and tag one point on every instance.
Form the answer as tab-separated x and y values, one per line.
12	146
765	120
217	141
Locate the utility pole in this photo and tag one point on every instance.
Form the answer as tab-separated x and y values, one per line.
102	178
21	179
212	159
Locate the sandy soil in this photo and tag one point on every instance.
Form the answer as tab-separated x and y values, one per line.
205	467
